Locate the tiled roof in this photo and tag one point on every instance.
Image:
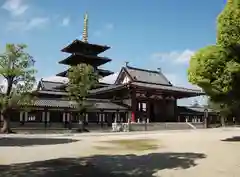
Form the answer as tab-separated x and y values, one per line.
187	109
50	92
149	86
149	76
201	109
167	88
57	103
93	103
78	45
77	58
107	88
102	72
50	85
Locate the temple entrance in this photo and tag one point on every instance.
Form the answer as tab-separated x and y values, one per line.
157	111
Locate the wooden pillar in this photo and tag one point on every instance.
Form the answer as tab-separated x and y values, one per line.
103	117
21	117
63	118
48	117
100	118
86	117
26	117
134	105
148	110
69	119
43	116
176	113
115	117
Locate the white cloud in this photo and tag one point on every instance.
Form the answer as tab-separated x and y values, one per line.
109	26
65	21
15	7
176	81
37	22
106	28
174	56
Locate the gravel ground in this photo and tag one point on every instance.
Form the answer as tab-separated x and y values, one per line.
208	153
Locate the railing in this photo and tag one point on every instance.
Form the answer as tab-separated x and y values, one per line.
125	127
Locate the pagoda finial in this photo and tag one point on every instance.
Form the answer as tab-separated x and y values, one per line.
85	28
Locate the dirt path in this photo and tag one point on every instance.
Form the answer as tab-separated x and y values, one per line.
179	154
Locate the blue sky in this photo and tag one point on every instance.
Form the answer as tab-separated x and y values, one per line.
148	34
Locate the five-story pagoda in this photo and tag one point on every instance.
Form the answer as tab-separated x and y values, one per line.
83	52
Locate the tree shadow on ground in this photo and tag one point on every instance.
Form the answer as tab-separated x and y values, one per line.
232	139
13	141
103	165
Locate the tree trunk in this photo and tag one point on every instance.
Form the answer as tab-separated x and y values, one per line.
6	123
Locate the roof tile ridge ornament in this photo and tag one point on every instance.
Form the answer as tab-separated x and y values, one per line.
85	29
159	70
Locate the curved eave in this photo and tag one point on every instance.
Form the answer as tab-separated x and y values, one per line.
101	72
78	46
179	92
75	59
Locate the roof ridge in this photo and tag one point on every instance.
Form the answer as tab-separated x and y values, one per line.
79	40
152	83
187	88
141	69
52	81
170	86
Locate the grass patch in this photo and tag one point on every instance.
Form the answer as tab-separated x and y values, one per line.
130	144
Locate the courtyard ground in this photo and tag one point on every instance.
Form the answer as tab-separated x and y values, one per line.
208	153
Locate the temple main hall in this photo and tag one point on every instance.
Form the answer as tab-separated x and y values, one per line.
138	95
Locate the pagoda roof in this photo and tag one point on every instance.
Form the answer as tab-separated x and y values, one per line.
75	59
142	75
101	72
80	46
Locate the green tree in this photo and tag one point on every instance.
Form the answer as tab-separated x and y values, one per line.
216	68
228	25
82	78
16	67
